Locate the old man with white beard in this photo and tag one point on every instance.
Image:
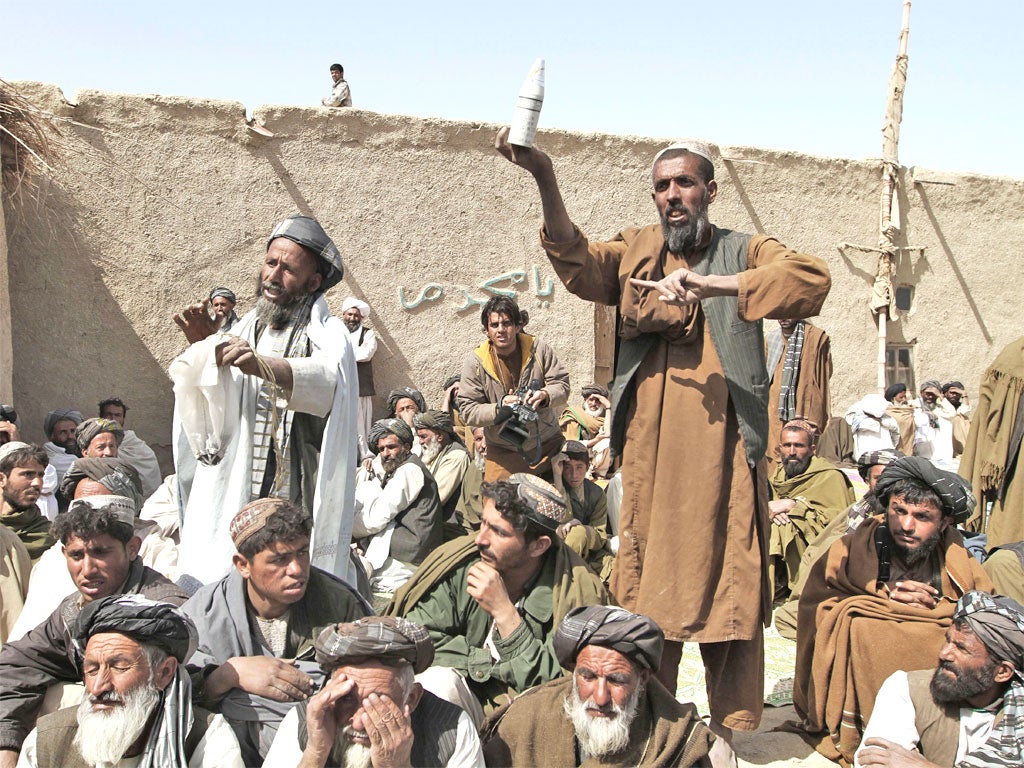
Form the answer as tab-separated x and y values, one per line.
614	711
137	708
295	440
443	454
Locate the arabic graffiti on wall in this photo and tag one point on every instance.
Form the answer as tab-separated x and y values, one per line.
505	284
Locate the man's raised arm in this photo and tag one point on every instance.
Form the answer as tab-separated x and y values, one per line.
557	224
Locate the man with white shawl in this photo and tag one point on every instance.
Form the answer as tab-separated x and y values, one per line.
310	420
355	313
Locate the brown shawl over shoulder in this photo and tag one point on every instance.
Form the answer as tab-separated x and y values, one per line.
851	636
533	730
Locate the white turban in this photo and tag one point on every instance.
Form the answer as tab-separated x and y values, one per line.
352	302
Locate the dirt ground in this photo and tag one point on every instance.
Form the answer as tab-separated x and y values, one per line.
765	748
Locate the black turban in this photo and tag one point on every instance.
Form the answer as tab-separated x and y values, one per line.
147	622
380	638
413	394
61	414
392	426
894	390
955	493
308	233
634	636
117	475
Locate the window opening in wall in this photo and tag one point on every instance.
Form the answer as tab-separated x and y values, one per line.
904	297
899	366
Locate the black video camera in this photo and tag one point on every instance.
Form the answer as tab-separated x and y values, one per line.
516	428
7	413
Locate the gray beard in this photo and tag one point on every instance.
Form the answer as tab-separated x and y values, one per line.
390	465
966	685
480	461
684	240
429	451
274	315
595	412
348	754
104	737
601	736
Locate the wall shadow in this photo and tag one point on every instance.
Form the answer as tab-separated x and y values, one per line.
744	197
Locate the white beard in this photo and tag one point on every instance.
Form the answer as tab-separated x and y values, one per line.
104	737
480	461
352	755
600	736
595	412
429	450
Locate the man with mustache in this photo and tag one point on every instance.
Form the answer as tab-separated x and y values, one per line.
689	413
398	517
807	492
136	709
443	454
355	313
967	711
22	472
492	600
291	428
257	624
371	711
611	711
61	446
880	600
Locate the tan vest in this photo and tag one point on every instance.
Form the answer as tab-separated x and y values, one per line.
938	726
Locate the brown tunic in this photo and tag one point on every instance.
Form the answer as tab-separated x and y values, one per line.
693	520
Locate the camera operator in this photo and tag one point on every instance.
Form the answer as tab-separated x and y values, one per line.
8	424
514	387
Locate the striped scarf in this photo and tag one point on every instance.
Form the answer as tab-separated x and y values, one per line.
263	438
791	373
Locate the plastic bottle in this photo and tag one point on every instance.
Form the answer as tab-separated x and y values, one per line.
531	98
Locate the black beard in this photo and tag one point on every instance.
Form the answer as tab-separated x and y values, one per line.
919	554
966	685
15	506
70	446
796	467
684	240
390	465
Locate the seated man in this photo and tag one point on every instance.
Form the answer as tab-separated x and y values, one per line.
586	532
22	468
133	449
1005	566
113	478
99	438
102	556
880	600
61	446
257	624
371	711
404	403
135	684
870	467
443	454
398	516
612	710
471	504
965	712
491	602
806	493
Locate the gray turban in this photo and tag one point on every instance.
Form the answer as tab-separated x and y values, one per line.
931	384
413	394
226	293
595	389
116	475
143	620
395	427
308	233
999	624
955	493
381	638
92	428
61	414
439	421
634	636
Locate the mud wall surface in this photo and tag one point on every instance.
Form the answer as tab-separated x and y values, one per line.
159	199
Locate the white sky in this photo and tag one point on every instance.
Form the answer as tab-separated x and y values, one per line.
791	74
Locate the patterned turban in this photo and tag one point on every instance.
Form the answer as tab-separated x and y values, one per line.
353	303
884	458
121	507
931	384
117	475
381	638
226	293
143	620
955	493
253	518
546	505
92	428
61	414
383	427
439	421
574	449
634	636
413	394
595	389
999	624
308	233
